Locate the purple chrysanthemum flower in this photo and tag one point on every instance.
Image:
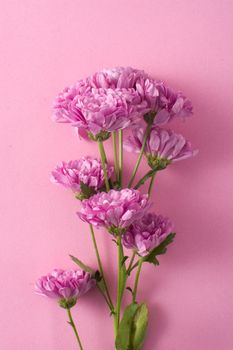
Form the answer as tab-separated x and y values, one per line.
162	146
171	104
104	110
113	99
65	286
147	233
117	78
86	170
114	209
64	99
158	97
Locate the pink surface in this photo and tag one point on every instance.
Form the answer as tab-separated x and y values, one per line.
46	45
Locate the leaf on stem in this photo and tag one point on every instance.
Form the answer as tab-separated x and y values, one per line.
133	326
95	274
161	249
82	265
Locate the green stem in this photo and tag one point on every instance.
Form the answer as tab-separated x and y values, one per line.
118	304
147	133
103	160
151	185
137	279
120	157
148	175
114	140
131	262
101	268
74	328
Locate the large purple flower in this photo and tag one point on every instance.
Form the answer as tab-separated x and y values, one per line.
162	146
65	286
86	170
147	233
103	110
114	209
113	99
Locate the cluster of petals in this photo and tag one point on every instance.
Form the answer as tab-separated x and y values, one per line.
113	99
161	143
117	209
60	284
147	233
106	109
86	170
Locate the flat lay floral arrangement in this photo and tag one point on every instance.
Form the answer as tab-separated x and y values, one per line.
100	107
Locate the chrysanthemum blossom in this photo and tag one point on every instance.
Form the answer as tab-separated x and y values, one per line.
104	110
147	233
162	146
86	170
61	106
65	286
114	99
171	104
114	209
117	78
166	102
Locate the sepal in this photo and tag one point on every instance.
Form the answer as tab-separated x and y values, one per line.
67	303
102	136
85	193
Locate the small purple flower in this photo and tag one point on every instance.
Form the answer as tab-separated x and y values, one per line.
65	286
162	146
171	104
86	170
147	233
114	209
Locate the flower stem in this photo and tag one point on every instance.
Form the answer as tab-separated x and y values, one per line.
101	268
118	304
103	160
131	262
137	279
147	133
151	185
114	140
120	156
74	328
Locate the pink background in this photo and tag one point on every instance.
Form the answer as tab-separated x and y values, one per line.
48	44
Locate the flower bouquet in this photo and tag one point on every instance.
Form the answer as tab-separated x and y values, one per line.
101	107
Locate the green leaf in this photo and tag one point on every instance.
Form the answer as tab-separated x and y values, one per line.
133	327
140	322
82	265
161	249
126	324
95	274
